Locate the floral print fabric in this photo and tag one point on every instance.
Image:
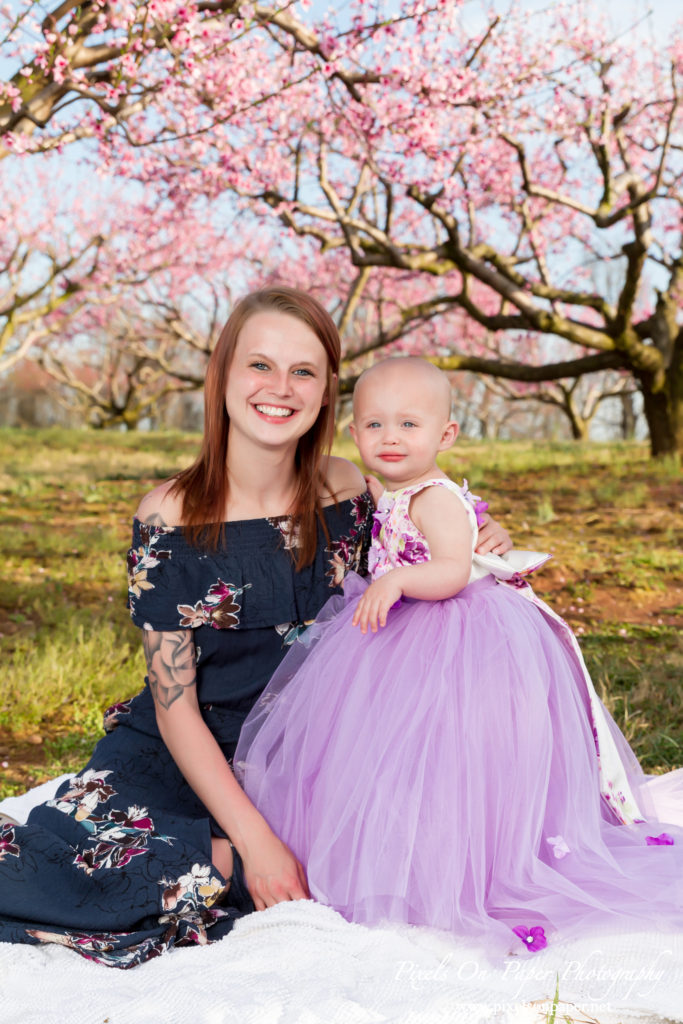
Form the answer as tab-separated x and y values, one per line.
118	865
396	539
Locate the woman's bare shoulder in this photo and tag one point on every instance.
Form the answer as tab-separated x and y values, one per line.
161	508
344	479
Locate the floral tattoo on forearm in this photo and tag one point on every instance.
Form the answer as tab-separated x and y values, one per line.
171	664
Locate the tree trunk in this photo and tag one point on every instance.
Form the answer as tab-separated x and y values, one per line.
628	416
663	407
579	428
662	439
579	425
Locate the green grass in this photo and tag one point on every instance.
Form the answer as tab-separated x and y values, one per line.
609	515
79	663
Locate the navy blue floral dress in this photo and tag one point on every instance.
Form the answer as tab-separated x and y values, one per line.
118	865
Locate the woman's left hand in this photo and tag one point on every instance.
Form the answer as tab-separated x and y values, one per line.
492	538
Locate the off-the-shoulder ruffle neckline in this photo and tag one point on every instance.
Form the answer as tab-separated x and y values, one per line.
259	519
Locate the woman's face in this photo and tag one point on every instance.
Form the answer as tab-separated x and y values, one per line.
277	380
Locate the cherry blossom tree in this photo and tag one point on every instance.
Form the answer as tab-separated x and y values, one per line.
108	380
489	163
154	307
503	172
578	399
43	265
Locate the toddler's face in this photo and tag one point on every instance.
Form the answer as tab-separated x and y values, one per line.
401	422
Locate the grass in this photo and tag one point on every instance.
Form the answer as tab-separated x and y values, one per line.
83	661
610	516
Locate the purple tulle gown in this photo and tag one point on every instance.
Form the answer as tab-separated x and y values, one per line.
456	769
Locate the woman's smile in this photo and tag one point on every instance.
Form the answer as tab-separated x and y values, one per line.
277	379
278	411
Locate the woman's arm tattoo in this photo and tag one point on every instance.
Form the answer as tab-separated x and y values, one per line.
171	664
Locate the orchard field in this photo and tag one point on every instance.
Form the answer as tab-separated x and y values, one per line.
610	516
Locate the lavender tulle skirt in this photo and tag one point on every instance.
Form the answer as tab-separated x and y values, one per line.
443	771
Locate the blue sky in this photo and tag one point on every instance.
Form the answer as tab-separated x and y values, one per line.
656	15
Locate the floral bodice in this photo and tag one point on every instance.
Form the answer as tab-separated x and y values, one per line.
396	539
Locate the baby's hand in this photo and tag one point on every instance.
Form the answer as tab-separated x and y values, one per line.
375	488
374	605
492	537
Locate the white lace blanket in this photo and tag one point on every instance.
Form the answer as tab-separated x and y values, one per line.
301	962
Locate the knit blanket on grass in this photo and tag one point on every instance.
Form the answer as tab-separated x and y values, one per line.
301	962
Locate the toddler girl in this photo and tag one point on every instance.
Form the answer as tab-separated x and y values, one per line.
432	748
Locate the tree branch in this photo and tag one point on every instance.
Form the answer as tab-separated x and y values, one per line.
523	372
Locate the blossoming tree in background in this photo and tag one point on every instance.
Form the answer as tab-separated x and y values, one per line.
44	262
487	165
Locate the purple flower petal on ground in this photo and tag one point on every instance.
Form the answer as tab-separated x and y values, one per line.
533	938
664	839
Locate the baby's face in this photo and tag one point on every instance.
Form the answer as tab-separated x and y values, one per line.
400	418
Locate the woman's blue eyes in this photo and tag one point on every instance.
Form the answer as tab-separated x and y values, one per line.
301	372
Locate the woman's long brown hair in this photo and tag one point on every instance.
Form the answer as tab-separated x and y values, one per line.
203	487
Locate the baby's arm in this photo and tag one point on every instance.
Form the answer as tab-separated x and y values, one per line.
441	517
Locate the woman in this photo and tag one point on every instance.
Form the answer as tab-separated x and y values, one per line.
132	856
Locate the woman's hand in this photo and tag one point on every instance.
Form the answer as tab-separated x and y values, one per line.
374	605
375	488
271	871
492	537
